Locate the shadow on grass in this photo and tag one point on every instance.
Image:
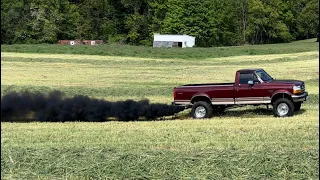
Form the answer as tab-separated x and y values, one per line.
251	113
240	113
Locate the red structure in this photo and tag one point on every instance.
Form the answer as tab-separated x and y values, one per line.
77	42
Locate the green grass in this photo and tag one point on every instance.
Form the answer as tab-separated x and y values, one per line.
150	52
220	148
244	143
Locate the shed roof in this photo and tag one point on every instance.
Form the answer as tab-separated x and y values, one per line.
173	37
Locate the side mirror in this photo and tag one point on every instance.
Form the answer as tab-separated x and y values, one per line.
250	82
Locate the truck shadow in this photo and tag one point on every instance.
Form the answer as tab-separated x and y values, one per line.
250	113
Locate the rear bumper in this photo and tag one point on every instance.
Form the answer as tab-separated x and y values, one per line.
299	98
187	104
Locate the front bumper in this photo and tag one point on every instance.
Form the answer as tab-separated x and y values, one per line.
299	98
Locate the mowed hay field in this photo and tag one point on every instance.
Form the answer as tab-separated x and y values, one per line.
245	143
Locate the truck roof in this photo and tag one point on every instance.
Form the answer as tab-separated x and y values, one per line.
250	70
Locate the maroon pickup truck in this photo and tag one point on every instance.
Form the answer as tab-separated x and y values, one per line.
251	87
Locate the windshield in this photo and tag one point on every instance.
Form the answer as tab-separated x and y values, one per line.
263	75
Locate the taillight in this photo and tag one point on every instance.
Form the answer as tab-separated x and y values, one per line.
174	94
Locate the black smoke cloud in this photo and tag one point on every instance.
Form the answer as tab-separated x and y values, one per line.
55	107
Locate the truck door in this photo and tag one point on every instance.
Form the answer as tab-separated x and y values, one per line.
248	93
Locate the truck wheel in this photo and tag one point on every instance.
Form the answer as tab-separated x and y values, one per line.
283	107
201	110
297	106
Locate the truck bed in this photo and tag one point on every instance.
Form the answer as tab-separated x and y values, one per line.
219	92
209	84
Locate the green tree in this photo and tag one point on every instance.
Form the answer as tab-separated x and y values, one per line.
137	21
308	20
212	22
14	18
42	27
95	21
242	8
279	16
69	22
267	22
158	11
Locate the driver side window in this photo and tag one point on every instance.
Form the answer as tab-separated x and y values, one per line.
245	77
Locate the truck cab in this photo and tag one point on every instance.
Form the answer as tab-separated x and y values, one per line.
251	87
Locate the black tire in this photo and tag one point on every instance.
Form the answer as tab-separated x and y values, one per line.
286	110
297	106
201	106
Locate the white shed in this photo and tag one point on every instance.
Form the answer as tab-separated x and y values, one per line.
171	40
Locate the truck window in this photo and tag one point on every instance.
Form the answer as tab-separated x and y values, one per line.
263	75
245	77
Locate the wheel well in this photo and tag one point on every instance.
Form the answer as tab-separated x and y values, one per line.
200	98
280	95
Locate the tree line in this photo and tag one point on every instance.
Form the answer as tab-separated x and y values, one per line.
212	22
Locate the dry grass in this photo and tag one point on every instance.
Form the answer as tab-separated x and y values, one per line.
122	78
245	143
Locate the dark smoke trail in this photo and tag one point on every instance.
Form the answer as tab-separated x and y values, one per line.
54	107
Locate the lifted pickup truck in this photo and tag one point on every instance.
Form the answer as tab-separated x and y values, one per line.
251	87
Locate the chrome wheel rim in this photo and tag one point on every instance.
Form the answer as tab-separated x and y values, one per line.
200	112
283	109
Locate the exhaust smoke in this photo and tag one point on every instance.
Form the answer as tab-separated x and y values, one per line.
54	107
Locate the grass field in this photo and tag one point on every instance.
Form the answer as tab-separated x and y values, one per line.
245	143
150	52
